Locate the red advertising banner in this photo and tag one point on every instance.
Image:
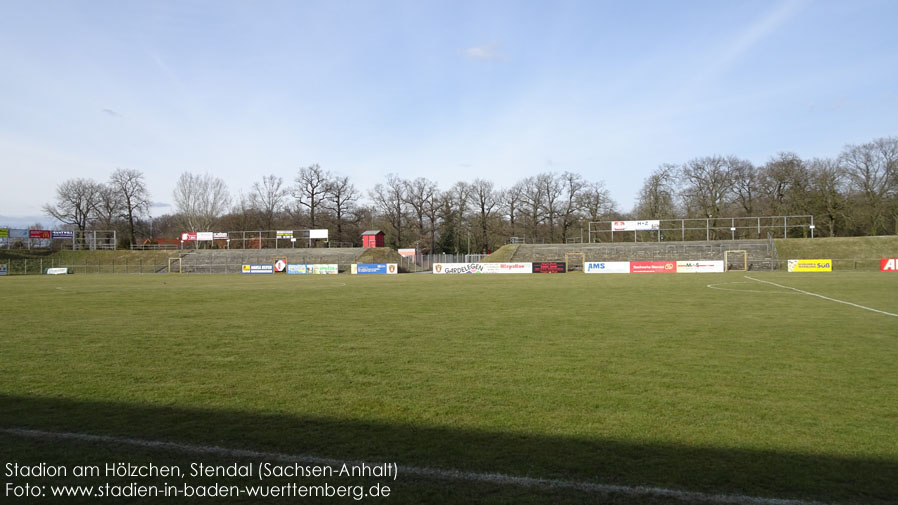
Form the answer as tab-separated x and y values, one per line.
40	234
188	237
888	265
653	267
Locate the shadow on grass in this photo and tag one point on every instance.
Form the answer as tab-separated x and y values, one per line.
715	470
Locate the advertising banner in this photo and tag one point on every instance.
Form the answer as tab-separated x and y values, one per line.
318	234
635	225
258	269
220	235
298	269
280	265
888	265
607	267
13	233
4	232
40	234
458	268
483	268
57	271
188	237
550	267
204	235
3	269
64	234
375	268
818	265
653	267
699	266
285	234
323	269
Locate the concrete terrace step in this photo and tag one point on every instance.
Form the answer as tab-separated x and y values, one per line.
230	261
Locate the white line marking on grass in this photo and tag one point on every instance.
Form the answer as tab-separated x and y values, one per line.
766	292
426	472
824	297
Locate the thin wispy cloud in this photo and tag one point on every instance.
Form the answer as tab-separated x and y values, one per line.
759	30
486	53
111	113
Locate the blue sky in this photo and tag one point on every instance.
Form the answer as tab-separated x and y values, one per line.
449	90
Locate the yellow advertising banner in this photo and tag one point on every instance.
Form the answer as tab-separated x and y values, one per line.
4	232
818	265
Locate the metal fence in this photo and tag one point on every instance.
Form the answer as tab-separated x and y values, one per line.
37	266
192	264
712	228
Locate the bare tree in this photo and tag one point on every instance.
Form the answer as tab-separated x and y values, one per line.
745	184
511	204
418	193
341	197
390	201
432	210
656	198
269	198
200	200
872	171
572	186
708	185
76	201
532	208
311	188
133	194
551	190
595	200
108	208
485	200
783	182
828	181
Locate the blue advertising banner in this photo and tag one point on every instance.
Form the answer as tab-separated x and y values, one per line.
258	269
374	268
298	269
63	234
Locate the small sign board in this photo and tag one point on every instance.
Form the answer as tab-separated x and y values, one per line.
3	269
57	271
258	269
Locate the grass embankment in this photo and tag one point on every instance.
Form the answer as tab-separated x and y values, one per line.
622	379
847	253
79	262
502	255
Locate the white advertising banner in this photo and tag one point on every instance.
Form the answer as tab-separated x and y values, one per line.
57	271
699	266
607	267
483	268
636	225
318	234
302	269
205	235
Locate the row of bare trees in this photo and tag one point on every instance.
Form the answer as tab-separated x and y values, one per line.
855	193
119	203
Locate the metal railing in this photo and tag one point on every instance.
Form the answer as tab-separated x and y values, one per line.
707	229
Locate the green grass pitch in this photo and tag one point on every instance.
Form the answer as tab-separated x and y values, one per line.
742	388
